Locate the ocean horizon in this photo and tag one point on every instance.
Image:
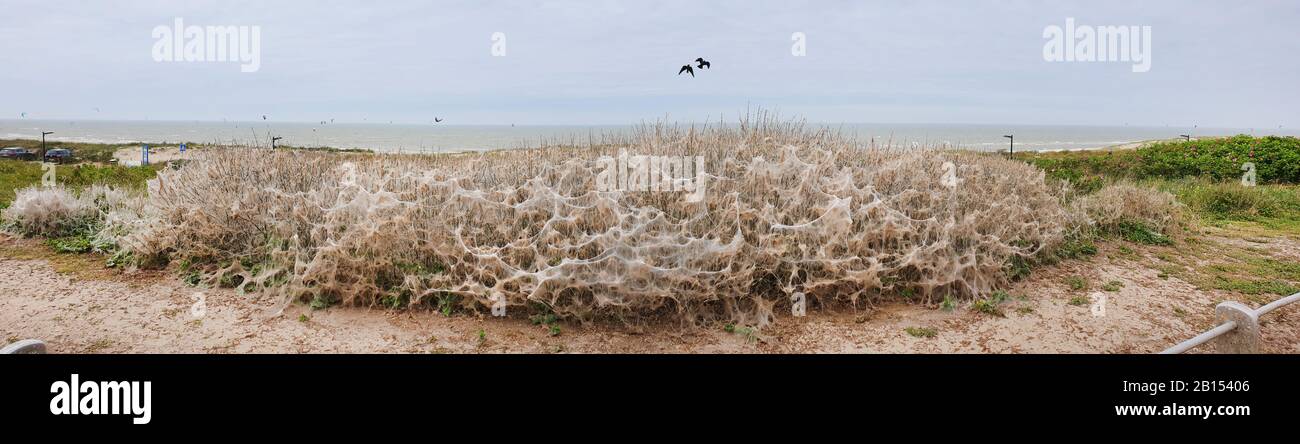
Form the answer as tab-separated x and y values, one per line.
406	137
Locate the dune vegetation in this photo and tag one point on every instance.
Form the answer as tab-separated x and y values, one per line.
791	216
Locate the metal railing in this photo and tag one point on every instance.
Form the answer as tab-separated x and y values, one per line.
1239	330
24	347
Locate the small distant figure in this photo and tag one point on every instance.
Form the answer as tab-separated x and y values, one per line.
704	64
437	120
686	69
263	116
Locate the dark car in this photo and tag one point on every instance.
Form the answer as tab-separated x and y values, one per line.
58	155
17	154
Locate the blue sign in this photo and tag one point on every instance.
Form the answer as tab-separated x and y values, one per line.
182	147
144	154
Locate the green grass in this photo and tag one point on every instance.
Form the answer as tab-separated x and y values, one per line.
1205	175
999	297
749	333
948	304
1079	301
1087	171
1075	248
70	244
988	307
446	303
1275	207
1076	283
1141	233
1113	286
15	175
922	332
320	302
1276	160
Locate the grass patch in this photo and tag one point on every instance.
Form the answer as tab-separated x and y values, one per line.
1076	248
922	332
988	307
1087	171
1113	286
15	175
1269	208
1276	159
1142	234
748	333
321	302
1076	283
70	244
948	304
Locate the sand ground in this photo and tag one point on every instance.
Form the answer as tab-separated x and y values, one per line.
77	306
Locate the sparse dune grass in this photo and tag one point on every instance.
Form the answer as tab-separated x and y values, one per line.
1135	213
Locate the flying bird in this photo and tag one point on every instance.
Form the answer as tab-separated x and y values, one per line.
263	116
704	64
436	120
686	69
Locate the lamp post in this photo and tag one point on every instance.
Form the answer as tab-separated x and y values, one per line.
43	134
273	139
1186	137
1013	144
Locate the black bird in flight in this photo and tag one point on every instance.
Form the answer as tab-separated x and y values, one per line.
686	69
436	120
704	64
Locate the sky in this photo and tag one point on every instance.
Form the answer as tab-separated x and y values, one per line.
1213	63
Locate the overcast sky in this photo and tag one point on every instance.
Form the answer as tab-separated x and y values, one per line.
1214	64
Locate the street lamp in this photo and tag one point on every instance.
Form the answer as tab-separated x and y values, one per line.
43	134
1186	137
1013	144
273	139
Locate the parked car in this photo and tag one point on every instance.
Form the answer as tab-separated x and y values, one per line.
17	154
58	155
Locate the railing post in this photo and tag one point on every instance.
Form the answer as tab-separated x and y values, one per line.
1243	339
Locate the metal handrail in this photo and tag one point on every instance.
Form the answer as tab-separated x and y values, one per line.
1226	327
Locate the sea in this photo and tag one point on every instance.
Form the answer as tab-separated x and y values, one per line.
438	137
